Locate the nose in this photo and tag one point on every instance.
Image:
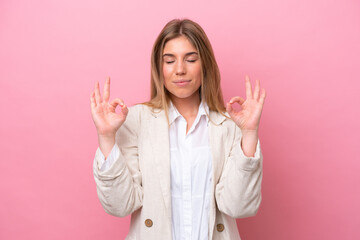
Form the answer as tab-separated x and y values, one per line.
180	68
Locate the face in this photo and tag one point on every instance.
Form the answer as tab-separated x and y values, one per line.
181	69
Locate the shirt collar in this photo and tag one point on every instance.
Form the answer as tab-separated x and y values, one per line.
174	114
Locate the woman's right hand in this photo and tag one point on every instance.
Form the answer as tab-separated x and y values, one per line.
106	120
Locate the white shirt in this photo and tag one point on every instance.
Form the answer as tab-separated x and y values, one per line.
191	171
191	168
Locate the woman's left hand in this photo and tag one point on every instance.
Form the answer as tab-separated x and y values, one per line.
248	118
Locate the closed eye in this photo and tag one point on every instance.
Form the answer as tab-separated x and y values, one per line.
168	62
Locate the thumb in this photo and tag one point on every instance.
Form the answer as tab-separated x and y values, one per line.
124	109
229	109
117	101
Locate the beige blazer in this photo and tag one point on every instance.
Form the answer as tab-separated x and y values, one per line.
138	182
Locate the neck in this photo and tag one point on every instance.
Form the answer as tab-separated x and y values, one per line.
187	107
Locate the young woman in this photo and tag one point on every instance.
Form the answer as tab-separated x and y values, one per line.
183	165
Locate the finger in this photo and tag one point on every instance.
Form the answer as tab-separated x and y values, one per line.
117	101
92	100
262	96
257	90
107	90
237	99
124	109
229	109
248	87
97	93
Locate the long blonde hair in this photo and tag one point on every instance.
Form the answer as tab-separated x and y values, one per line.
210	89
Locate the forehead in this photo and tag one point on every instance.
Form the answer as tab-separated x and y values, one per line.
179	46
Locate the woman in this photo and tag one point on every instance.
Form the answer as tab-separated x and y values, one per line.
182	164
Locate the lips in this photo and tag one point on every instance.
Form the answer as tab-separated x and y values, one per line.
181	82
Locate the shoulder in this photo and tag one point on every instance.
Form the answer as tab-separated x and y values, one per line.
139	113
231	124
224	120
221	118
134	119
228	121
136	108
139	109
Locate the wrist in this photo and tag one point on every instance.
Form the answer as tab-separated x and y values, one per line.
106	143
249	142
249	133
106	137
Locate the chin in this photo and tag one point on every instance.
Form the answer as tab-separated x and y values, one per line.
183	94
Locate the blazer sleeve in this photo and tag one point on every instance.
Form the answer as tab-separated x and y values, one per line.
119	187
238	192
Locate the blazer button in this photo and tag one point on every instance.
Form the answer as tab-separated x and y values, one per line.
148	222
220	227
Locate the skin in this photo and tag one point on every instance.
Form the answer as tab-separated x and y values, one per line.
181	61
248	118
106	120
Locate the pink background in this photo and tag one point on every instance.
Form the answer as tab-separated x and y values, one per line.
306	55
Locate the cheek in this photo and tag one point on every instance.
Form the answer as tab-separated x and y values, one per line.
197	71
166	75
166	71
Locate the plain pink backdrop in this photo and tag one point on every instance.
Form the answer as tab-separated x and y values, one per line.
306	55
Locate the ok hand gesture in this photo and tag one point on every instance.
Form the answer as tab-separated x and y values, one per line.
106	120
248	118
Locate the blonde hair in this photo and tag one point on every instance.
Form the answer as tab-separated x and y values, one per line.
210	89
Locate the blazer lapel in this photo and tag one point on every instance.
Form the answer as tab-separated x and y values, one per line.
159	138
217	135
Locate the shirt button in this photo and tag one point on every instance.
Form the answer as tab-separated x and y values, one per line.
220	227
148	222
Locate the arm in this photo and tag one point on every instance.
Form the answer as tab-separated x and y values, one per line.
249	142
238	193
119	186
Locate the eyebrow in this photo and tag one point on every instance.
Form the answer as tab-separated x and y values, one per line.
172	55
